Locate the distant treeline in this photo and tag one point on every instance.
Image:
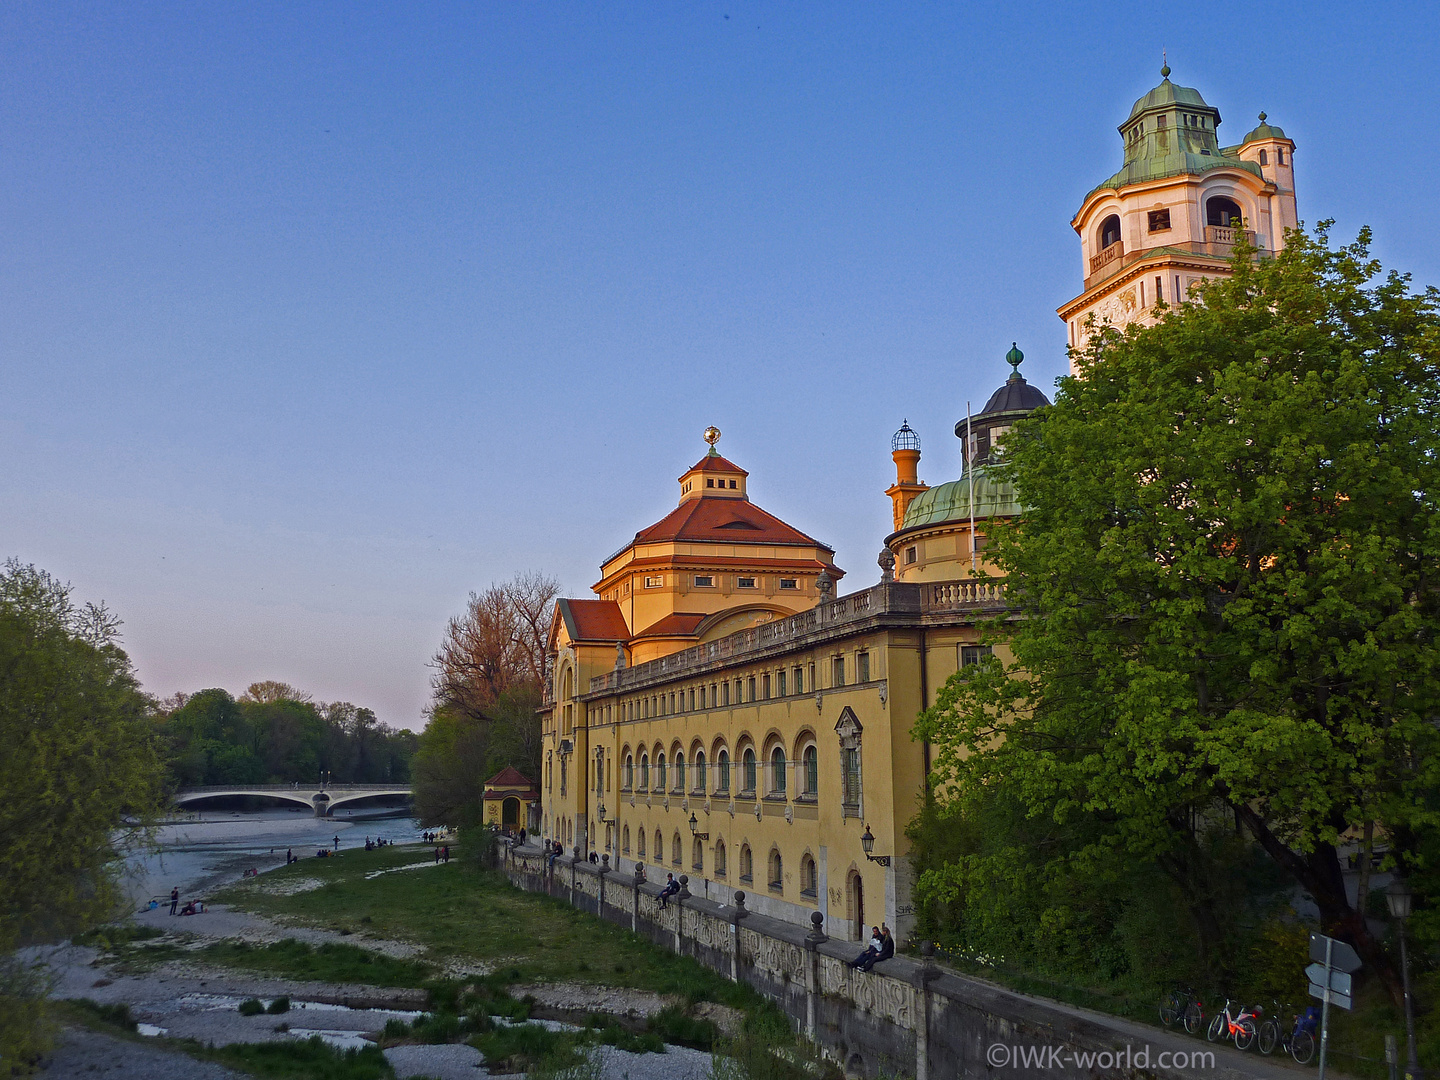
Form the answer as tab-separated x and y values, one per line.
275	733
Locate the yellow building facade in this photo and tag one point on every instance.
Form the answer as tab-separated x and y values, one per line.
719	709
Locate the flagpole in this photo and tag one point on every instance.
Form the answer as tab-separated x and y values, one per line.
970	472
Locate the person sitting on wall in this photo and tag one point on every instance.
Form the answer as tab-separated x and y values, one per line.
866	960
887	944
672	887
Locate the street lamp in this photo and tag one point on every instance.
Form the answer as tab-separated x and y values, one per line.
1399	899
695	828
868	843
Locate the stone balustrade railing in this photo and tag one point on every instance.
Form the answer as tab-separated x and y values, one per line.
888	598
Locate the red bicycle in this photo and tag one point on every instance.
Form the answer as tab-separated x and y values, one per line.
1239	1026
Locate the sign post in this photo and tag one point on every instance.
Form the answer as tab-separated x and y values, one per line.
1330	981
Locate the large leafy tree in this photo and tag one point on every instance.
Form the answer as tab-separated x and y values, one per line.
1226	582
77	760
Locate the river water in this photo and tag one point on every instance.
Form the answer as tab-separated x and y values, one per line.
214	847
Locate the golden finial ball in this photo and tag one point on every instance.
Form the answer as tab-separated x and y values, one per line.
712	434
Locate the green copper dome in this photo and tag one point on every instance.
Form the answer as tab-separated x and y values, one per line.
1264	131
951	502
1171	131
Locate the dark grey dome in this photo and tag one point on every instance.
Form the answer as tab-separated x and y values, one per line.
1016	395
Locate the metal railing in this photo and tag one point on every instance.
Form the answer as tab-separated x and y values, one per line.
292	787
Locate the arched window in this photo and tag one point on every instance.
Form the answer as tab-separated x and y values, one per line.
625	841
641	837
747	779
1264	158
722	772
697	855
745	875
810	761
1109	231
776	877
777	771
659	846
699	788
1222	212
679	772
659	772
809	879
629	771
675	849
719	858
644	772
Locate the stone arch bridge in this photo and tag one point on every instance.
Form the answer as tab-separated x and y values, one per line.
322	800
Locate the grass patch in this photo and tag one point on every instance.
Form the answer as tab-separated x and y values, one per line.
93	1013
296	1060
454	910
110	938
528	1047
332	962
251	1007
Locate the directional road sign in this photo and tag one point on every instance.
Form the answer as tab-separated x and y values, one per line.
1342	956
1339	980
1345	1001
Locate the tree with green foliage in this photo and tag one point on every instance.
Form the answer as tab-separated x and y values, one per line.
78	759
489	674
1225	579
267	737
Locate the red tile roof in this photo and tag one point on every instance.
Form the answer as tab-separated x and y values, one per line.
593	620
676	624
724	521
510	777
714	463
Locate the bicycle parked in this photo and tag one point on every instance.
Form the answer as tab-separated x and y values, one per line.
1239	1026
1298	1042
1182	1005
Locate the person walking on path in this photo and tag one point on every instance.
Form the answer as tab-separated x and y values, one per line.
437	853
337	843
174	900
445	853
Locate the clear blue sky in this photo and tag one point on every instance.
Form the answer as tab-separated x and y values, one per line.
314	318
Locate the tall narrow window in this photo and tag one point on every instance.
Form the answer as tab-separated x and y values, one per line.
679	772
811	760
699	772
747	780
850	774
722	772
745	864
750	688
862	667
799	680
777	874
720	858
765	686
839	671
777	771
780	682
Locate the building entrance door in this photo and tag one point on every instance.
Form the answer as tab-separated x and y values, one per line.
855	901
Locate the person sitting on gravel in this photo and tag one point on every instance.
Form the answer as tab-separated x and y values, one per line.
672	887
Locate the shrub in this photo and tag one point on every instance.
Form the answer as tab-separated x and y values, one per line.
252	1007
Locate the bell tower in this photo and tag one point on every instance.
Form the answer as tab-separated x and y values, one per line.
1172	215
